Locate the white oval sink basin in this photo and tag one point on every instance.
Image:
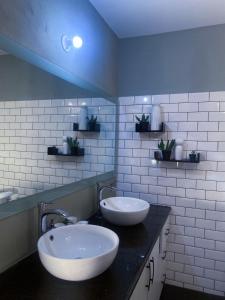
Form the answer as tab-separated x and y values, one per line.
78	252
124	210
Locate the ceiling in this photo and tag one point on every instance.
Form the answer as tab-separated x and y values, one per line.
129	18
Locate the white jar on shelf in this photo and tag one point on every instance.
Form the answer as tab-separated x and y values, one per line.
65	147
83	118
156	118
179	149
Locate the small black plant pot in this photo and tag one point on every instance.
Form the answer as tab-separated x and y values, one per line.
194	157
52	150
94	127
77	151
143	127
157	155
166	154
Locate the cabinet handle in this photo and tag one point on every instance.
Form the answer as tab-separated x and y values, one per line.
149	281
153	269
167	231
164	279
164	256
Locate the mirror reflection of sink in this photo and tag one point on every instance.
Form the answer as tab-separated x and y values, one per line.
124	210
78	252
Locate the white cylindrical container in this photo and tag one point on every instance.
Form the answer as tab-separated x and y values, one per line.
156	119
179	150
83	118
65	147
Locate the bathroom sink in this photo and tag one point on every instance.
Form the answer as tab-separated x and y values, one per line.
124	210
5	197
78	252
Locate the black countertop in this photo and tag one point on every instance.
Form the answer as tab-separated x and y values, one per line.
29	280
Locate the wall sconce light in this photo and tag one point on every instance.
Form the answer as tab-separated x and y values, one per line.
67	43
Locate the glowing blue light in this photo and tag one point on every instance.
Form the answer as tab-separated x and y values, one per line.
77	41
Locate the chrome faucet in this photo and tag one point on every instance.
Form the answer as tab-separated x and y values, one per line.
100	190
43	211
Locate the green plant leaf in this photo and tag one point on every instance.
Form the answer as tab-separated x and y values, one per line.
161	145
167	145
138	119
92	119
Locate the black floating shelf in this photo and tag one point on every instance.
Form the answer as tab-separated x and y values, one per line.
179	161
139	128
193	158
54	151
95	128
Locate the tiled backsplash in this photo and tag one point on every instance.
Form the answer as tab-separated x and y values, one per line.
27	128
196	192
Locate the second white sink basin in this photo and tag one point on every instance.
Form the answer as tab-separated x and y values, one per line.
78	252
124	210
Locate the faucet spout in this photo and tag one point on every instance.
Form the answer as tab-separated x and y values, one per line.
44	212
57	211
100	190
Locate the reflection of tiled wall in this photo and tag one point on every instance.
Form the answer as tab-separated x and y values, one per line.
27	128
196	193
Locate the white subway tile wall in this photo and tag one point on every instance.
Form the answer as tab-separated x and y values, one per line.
27	128
196	193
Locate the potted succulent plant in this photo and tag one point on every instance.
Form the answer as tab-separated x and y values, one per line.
74	146
92	123
194	157
143	123
166	148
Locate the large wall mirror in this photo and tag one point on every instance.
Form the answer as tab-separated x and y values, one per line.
52	133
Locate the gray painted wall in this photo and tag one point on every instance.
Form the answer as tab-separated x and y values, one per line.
38	26
20	80
184	61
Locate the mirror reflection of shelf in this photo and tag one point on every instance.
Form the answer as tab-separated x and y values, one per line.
138	128
95	128
54	151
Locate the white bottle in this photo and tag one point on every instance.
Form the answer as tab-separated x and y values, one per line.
83	118
179	150
156	119
65	147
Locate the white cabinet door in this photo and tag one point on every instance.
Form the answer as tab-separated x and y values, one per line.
141	290
163	248
150	284
163	239
156	274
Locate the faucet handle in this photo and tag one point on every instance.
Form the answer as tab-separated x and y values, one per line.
51	224
71	220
